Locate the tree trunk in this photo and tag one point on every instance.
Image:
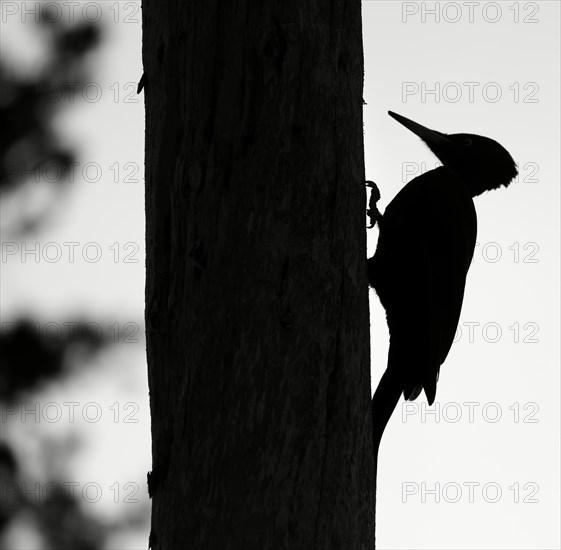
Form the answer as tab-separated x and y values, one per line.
256	292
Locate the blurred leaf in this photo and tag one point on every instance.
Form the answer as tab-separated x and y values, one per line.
28	357
28	141
77	41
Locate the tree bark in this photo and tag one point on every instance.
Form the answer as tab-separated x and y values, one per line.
256	291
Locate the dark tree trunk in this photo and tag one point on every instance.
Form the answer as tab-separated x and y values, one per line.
256	293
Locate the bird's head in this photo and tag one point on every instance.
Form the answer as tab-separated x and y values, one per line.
481	162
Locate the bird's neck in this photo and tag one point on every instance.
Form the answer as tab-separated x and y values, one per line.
475	185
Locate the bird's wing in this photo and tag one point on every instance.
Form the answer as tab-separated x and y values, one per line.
424	252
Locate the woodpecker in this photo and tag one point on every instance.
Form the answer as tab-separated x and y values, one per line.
425	247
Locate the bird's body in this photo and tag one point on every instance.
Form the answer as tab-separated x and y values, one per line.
426	244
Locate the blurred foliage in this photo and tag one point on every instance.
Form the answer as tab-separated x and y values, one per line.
8	470
28	357
28	105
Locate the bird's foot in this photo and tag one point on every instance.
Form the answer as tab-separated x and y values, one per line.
373	213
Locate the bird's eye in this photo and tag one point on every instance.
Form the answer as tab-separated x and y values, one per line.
467	142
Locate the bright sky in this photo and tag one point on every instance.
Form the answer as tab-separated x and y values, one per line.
491	69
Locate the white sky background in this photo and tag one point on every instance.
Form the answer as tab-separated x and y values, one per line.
403	43
417	453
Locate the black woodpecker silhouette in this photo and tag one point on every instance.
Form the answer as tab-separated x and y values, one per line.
425	247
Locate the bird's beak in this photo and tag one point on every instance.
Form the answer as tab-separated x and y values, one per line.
431	137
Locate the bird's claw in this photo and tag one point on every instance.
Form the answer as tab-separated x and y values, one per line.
373	213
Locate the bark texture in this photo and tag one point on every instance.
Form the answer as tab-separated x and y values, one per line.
256	293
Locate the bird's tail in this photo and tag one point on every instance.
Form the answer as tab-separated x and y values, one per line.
410	393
